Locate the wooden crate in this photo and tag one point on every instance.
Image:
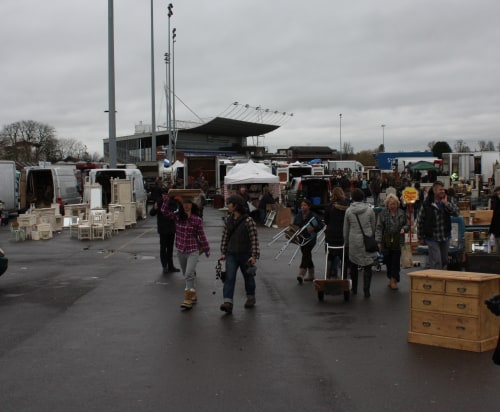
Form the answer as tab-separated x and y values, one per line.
447	309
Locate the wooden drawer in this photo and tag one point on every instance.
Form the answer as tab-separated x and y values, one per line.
445	304
454	326
427	285
457	287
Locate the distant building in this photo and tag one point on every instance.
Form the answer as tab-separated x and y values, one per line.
307	153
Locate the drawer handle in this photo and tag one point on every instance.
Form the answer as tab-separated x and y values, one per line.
461	305
426	324
426	286
462	290
427	302
460	327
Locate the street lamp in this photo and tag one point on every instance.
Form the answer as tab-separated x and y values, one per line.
340	135
168	100
383	136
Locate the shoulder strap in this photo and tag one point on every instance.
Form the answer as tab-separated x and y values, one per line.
359	223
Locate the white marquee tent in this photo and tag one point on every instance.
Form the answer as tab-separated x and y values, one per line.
254	174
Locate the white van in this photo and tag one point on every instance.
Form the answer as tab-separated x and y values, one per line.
43	186
104	176
9	188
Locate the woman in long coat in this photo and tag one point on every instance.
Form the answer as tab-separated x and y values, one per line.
353	238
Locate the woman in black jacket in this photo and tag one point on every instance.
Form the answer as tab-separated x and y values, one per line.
334	220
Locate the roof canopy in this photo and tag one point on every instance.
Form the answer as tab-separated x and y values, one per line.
220	126
422	165
245	173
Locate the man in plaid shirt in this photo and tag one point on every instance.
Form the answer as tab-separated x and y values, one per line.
434	225
240	249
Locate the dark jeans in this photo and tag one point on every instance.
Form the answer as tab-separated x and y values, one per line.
392	259
167	249
233	262
307	262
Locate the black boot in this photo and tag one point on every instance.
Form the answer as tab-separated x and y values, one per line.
367	280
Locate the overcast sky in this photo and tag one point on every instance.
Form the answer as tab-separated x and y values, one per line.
428	70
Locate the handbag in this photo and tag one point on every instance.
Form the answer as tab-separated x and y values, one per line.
369	241
219	273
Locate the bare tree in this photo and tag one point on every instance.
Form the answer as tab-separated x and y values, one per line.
347	149
486	146
28	141
461	147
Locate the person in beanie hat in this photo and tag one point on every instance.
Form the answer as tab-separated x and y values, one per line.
190	242
166	230
240	249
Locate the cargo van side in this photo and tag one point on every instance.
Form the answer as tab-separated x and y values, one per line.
104	176
44	186
9	187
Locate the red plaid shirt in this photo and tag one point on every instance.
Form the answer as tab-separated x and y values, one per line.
189	234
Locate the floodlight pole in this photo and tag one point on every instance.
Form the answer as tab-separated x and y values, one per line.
340	135
111	87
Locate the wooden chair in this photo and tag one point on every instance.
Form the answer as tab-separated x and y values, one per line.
97	225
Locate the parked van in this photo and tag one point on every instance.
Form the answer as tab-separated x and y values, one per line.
104	176
9	188
43	186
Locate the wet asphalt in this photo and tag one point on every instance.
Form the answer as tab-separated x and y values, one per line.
95	326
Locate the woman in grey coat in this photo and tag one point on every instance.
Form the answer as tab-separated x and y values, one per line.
353	238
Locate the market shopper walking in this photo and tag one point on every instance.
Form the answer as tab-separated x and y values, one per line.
354	240
495	219
240	250
166	230
190	242
306	217
392	225
334	221
434	225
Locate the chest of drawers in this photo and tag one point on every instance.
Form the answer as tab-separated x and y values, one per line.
447	309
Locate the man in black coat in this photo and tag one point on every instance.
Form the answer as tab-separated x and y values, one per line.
166	230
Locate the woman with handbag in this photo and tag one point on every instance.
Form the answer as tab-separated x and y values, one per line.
359	222
390	232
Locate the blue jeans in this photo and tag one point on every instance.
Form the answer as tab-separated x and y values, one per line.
438	253
233	262
188	262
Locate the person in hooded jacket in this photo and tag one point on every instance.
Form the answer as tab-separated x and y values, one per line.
353	238
334	220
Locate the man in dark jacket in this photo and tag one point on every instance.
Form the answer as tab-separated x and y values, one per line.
434	225
495	219
166	230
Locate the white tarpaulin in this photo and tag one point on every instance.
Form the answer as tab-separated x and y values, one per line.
248	173
254	176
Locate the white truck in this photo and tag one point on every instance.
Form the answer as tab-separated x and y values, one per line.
9	188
